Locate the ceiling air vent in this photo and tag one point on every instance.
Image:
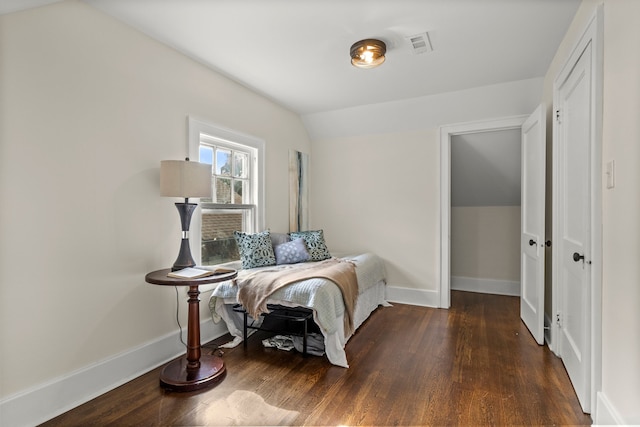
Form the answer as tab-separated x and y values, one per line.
420	43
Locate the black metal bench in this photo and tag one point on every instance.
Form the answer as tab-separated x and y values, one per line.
291	315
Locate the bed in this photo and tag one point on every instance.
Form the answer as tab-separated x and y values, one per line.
320	295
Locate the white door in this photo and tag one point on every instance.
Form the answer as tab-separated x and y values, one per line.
532	223
573	121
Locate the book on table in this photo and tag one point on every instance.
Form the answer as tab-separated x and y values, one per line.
195	273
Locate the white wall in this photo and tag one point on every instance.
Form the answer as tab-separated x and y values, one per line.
376	186
618	399
485	242
88	109
426	112
379	193
621	209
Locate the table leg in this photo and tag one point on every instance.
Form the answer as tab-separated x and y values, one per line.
194	371
193	329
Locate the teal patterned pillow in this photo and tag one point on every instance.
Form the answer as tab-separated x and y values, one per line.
315	244
291	252
255	249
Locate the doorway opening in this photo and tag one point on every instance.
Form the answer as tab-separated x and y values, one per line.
485	212
447	134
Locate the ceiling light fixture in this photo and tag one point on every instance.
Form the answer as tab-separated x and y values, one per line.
368	53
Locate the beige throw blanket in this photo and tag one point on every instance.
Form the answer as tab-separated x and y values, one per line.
257	286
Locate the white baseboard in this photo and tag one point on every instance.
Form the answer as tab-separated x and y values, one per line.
409	296
606	414
485	286
48	400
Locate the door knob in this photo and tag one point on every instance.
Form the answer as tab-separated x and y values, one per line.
577	257
532	242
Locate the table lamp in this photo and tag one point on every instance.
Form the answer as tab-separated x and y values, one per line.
182	178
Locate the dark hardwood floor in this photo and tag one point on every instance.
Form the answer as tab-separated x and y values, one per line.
474	364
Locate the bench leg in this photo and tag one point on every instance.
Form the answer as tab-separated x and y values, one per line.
244	331
304	339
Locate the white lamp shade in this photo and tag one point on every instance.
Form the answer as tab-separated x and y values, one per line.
182	178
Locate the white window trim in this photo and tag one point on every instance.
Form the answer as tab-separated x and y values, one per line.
197	126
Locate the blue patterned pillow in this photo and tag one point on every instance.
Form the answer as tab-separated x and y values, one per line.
315	244
291	252
279	238
255	249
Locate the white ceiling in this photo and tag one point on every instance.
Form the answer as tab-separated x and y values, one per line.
296	52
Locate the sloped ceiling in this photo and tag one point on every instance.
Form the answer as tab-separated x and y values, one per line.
485	169
296	52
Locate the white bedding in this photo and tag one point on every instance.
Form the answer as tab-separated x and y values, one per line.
320	295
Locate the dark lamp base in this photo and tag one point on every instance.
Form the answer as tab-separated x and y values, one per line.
184	256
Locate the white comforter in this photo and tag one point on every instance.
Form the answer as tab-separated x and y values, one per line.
321	295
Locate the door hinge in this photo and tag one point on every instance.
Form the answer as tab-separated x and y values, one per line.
558	319
558	115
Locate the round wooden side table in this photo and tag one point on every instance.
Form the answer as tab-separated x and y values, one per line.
193	371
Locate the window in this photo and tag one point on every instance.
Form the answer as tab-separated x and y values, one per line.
236	189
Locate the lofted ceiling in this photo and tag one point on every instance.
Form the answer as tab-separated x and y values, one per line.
296	52
485	168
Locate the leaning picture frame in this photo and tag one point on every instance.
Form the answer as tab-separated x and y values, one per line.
298	191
